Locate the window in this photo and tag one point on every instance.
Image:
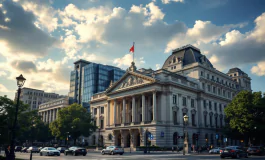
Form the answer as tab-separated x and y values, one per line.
95	111
208	76
212	77
224	93
174	67
175	117
217	79
101	123
205	120
215	106
174	99
216	122
209	88
102	110
192	103
219	91
220	107
110	137
221	122
211	121
201	73
235	74
203	86
184	101
213	89
193	119
204	104
210	105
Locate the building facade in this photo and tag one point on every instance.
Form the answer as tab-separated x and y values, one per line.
49	110
155	102
35	97
89	78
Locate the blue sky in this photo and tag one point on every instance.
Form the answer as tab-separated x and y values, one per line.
42	38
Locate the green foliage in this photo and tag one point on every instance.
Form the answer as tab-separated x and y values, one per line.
246	111
73	120
29	124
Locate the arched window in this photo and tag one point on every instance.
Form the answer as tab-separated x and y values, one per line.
174	59
110	137
175	138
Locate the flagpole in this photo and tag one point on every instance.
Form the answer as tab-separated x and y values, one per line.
133	51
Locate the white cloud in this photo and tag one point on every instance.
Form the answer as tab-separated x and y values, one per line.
3	73
155	13
168	1
124	61
158	66
4	89
232	37
259	69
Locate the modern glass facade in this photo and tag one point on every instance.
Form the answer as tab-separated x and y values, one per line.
94	78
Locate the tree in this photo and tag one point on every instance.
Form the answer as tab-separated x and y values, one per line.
246	112
73	120
29	124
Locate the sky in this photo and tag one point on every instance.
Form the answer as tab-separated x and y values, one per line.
42	38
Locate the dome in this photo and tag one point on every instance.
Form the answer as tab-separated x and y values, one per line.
186	55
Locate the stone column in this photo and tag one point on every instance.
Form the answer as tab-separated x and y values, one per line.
154	108
57	112
54	114
98	115
180	113
133	110
108	113
143	108
123	110
114	110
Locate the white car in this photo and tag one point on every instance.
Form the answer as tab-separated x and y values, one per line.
215	150
49	151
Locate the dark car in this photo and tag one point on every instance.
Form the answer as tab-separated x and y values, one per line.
24	149
49	151
61	149
18	148
75	151
255	150
233	151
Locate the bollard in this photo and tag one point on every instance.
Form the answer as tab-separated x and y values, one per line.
30	155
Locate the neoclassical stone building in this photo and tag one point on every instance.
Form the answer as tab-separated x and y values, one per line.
156	101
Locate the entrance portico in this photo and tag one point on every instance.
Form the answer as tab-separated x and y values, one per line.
128	137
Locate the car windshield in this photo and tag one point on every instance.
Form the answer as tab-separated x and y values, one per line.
50	148
118	146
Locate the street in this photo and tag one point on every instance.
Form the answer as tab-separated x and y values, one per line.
128	156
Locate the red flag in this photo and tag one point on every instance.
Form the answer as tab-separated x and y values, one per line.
132	48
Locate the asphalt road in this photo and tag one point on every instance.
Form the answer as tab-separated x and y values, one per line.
128	156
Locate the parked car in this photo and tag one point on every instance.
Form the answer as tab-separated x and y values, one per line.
255	150
75	151
49	151
33	149
233	151
18	148
215	150
113	150
61	149
24	149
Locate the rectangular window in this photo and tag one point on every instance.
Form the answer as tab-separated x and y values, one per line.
204	104
215	106
193	119
221	122
211	121
209	88
213	89
224	93
208	76
184	101
210	105
220	107
212	77
216	122
201	73
102	110
219	91
203	86
101	123
174	99
217	79
205	120
95	111
192	103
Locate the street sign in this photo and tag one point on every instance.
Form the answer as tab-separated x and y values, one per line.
150	136
217	136
225	139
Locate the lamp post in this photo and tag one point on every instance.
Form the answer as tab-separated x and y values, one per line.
20	82
185	118
67	138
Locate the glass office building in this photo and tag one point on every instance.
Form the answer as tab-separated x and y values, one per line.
89	78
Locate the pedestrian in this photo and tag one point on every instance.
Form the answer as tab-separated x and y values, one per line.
172	149
177	148
200	149
7	152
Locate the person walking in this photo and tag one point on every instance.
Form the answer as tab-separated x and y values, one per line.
7	152
177	148
172	149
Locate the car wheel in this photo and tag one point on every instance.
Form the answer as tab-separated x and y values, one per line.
102	152
40	154
112	153
65	153
222	157
121	153
74	154
84	154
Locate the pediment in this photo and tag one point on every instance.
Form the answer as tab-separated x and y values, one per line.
130	80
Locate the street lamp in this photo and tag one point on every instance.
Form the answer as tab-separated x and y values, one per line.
185	118
20	82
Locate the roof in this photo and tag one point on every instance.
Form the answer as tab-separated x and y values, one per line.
232	70
187	54
81	60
